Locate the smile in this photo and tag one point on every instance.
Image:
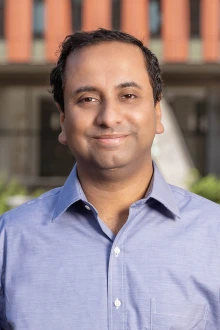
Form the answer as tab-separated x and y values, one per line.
110	140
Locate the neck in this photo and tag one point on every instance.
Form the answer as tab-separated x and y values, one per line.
122	187
112	191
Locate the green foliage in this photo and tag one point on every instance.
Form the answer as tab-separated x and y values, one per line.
9	188
207	186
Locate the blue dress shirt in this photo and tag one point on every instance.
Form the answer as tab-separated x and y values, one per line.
63	269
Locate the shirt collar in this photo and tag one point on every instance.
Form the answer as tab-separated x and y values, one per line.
160	190
72	192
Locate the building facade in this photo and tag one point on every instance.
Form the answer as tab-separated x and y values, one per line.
184	34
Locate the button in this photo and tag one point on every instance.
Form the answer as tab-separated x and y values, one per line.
117	303
117	251
87	207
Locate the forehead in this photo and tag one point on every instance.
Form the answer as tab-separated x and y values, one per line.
107	59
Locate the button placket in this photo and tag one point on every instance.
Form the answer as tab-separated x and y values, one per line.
116	297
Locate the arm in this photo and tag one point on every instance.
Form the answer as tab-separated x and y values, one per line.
3	321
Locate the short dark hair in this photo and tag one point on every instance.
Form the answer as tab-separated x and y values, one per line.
82	39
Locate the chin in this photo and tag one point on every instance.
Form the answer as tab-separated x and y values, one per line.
106	164
109	166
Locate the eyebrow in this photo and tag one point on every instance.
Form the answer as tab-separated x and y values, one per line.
89	88
86	88
128	84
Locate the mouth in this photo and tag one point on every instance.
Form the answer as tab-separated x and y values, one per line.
111	140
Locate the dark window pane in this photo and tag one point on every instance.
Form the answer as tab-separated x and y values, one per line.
155	18
195	18
116	14
76	15
38	18
55	159
2	5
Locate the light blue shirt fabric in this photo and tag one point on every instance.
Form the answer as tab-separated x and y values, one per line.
63	269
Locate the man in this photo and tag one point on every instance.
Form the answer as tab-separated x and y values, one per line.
116	248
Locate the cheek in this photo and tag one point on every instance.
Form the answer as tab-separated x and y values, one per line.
77	128
74	123
144	119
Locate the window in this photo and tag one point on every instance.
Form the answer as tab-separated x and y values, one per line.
2	5
55	159
38	18
76	15
195	18
116	14
155	18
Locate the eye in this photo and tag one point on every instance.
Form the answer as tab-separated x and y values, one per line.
129	96
87	100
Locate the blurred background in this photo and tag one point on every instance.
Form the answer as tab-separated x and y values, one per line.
185	36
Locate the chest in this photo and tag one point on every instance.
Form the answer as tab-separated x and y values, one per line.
114	222
150	277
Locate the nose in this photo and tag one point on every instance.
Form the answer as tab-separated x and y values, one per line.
109	115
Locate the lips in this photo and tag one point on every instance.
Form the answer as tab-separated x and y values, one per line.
110	139
111	136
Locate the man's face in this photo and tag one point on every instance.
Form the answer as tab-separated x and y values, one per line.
110	119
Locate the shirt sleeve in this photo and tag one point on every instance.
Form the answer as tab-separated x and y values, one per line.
3	321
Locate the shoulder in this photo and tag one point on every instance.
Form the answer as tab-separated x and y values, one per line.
190	202
38	208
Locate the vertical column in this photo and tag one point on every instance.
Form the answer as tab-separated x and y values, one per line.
96	14
213	134
210	17
134	18
18	30
57	25
175	30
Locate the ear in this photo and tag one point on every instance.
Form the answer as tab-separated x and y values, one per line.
62	135
159	125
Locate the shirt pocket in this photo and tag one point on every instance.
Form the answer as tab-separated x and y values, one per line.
178	316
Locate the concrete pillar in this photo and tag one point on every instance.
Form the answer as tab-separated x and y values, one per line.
58	25
13	124
175	30
213	154
210	17
135	18
18	30
96	14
